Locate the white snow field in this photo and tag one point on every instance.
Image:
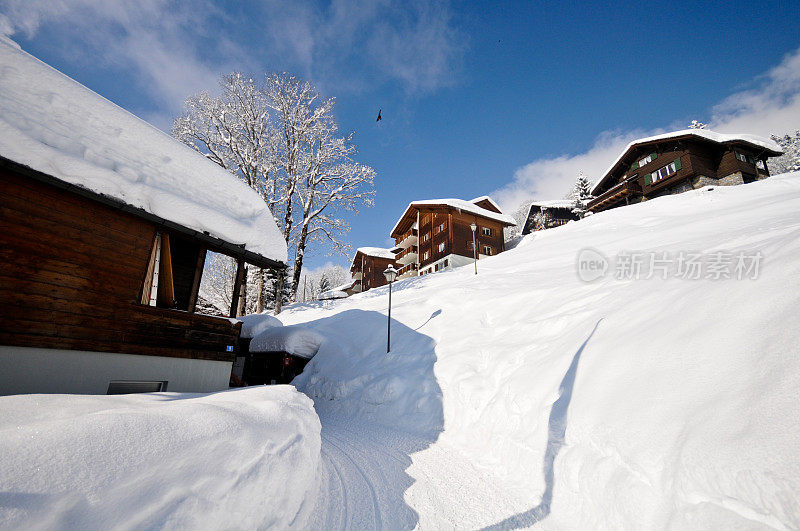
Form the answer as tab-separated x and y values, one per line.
525	396
520	397
236	459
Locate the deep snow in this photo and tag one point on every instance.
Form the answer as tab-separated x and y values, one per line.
618	403
244	459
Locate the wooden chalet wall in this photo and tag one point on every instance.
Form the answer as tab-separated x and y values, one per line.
457	234
72	276
372	268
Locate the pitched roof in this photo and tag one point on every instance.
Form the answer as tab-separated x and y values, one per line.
56	126
460	205
378	252
704	134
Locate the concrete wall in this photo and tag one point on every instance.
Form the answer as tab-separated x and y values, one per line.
25	370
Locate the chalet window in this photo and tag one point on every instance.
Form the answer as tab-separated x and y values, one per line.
441	247
446	263
440	228
426	236
663	172
173	273
486	231
744	158
649	158
487	250
425	255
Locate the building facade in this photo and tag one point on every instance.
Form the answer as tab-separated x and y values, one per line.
548	214
681	161
436	234
368	266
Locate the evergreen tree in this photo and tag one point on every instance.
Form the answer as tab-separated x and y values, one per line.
790	160
581	194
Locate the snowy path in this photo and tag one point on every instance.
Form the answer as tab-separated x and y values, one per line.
366	483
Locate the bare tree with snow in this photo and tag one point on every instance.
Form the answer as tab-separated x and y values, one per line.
697	125
318	166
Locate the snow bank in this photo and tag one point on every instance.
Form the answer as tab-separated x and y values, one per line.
239	459
254	324
618	403
55	125
297	340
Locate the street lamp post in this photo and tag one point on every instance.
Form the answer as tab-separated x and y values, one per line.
391	275
474	247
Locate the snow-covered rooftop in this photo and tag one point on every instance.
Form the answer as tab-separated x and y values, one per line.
754	140
486	198
378	252
555	203
337	292
460	205
52	124
297	340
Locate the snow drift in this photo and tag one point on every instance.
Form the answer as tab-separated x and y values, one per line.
297	340
619	403
238	459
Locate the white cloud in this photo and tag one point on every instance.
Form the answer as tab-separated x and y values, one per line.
771	108
175	49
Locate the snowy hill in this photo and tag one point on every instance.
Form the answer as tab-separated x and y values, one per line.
619	403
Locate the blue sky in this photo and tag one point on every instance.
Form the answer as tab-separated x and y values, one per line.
502	98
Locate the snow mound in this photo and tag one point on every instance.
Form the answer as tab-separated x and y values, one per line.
238	459
296	340
256	323
621	403
378	252
54	125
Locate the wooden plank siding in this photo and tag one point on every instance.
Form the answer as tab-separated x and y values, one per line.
457	234
72	275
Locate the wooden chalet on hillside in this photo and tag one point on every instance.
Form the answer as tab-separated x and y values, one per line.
548	214
680	161
105	223
368	266
435	234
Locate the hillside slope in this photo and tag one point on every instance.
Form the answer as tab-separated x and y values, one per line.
617	403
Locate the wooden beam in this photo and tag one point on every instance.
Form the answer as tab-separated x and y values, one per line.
198	275
147	288
166	286
237	287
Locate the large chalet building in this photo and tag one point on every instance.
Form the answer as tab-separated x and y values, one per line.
368	266
683	160
105	223
435	234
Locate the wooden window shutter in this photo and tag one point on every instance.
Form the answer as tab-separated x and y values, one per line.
635	166
647	180
677	164
654	155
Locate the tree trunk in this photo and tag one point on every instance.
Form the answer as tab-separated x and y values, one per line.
298	260
279	291
260	296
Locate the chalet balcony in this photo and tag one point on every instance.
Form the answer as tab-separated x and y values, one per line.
357	275
409	270
408	239
615	196
407	256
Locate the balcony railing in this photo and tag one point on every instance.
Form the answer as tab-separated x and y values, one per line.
615	194
407	256
408	239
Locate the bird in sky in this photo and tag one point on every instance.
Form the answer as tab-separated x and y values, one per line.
379	116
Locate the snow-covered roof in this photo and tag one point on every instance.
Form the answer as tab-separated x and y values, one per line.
254	324
460	205
54	125
555	203
754	140
486	198
296	340
338	292
378	252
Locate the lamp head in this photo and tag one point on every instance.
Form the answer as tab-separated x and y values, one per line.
473	227
390	274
